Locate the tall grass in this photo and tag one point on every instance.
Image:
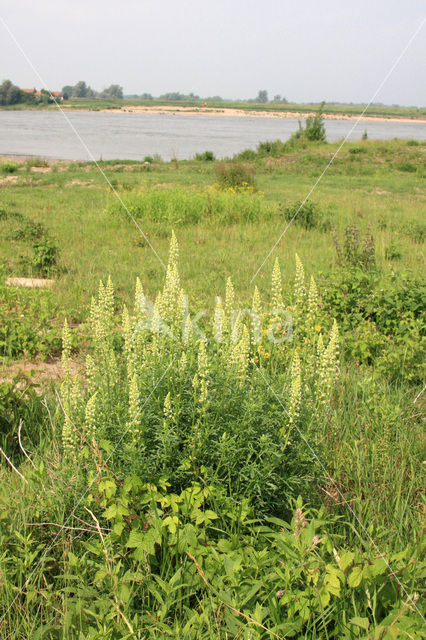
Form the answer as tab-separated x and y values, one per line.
181	205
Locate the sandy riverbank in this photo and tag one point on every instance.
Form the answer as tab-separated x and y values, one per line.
243	113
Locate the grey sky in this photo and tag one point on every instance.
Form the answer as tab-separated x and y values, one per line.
311	50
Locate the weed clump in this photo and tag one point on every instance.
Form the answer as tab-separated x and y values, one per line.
308	215
355	251
235	174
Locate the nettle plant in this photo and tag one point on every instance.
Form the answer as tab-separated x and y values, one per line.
233	404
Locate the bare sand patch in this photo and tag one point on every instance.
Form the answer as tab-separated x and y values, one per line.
34	373
243	113
8	180
41	169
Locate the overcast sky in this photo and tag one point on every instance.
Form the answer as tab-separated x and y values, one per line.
310	50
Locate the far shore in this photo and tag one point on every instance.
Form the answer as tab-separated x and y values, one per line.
244	113
235	112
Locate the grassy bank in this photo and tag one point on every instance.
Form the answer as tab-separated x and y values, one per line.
239	487
330	109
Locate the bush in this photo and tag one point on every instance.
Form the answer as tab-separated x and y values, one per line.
9	167
213	420
246	155
43	259
26	324
275	148
314	128
235	174
206	156
382	321
309	216
406	166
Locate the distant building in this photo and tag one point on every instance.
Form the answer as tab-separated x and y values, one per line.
58	95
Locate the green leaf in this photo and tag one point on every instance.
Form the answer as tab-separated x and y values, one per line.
332	583
363	623
355	577
346	559
135	539
100	575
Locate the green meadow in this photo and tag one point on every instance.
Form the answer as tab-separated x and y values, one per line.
262	477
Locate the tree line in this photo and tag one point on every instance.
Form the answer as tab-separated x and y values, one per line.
12	94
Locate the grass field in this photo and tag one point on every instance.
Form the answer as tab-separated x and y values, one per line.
234	488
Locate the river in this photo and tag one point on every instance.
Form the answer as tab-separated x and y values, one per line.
132	136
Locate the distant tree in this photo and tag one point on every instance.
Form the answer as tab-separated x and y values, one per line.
67	91
279	100
262	96
45	97
10	93
114	91
175	95
214	99
146	96
79	90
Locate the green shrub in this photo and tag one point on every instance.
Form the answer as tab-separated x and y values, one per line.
275	149
309	216
9	167
383	321
206	156
212	419
27	328
235	174
247	155
393	252
406	166
314	129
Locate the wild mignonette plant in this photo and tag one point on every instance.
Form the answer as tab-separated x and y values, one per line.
229	405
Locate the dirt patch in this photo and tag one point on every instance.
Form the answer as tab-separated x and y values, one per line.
31	283
41	169
79	183
381	192
8	180
36	373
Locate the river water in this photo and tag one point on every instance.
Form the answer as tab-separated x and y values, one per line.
131	136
